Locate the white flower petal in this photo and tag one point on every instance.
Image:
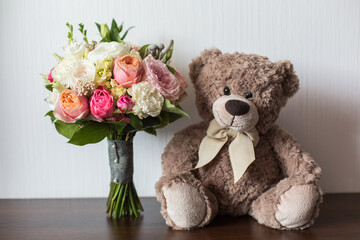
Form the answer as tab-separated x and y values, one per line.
74	50
108	50
61	72
148	101
52	99
83	70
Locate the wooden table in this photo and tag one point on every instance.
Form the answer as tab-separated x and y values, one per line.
73	219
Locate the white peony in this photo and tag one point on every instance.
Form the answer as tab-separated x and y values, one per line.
82	70
148	101
61	72
108	50
74	50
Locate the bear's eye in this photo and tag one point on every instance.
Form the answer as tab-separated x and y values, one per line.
227	90
249	95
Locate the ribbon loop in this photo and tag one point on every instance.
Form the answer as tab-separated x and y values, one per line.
241	149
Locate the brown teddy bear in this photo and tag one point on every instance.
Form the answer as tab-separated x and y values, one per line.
238	160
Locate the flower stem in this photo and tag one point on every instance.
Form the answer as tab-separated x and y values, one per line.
116	213
137	200
123	201
132	203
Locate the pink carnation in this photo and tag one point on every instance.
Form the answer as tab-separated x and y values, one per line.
167	84
101	103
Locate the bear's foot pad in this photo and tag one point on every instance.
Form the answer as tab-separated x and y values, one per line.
296	206
185	205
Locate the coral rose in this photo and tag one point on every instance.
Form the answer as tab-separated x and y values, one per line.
70	107
127	70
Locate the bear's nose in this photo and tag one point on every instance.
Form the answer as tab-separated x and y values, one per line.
237	107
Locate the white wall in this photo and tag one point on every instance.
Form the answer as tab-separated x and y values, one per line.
321	38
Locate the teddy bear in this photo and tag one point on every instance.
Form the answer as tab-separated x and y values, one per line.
237	160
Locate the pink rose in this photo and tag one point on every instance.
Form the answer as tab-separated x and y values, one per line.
181	80
125	104
127	70
50	78
70	107
183	85
101	103
167	84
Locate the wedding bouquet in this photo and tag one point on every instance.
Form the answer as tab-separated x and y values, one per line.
113	89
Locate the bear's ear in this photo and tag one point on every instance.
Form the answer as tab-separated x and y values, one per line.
199	62
290	82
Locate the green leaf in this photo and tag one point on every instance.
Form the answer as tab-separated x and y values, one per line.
135	122
121	27
57	57
151	121
169	107
151	131
70	33
83	32
169	54
129	129
98	27
93	132
114	25
49	87
51	115
117	126
126	32
173	117
171	69
66	129
114	34
165	119
142	50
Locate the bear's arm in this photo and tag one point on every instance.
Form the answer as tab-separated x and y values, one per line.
181	153
295	162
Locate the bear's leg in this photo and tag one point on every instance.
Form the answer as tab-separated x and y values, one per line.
185	203
291	204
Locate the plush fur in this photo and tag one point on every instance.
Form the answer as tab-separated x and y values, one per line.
275	186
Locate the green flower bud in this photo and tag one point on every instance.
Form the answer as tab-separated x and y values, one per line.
104	30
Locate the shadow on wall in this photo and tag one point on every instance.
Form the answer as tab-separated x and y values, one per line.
328	128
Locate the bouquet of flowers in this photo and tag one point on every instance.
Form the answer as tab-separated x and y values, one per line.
114	89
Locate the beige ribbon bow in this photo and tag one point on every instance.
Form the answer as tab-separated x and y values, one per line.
241	149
